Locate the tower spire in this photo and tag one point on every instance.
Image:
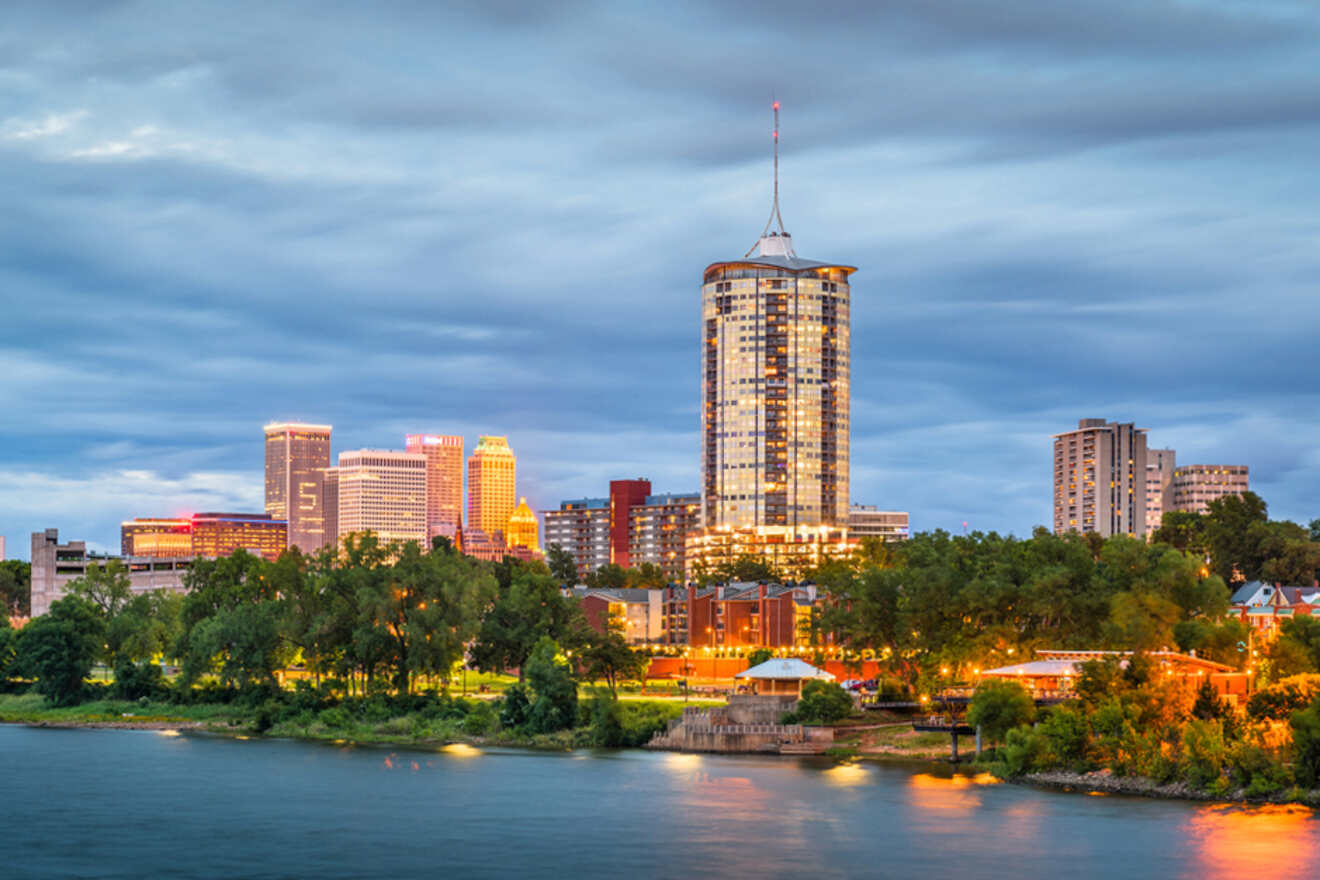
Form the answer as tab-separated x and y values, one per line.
774	241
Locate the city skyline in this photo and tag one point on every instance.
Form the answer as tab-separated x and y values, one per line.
206	220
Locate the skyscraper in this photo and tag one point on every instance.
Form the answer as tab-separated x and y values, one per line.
1160	464
491	485
523	529
295	455
381	491
1100	479
775	393
444	481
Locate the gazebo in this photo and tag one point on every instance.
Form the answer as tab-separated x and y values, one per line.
782	676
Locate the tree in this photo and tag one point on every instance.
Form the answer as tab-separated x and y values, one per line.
1181	530
647	576
608	577
59	647
822	702
607	656
563	567
998	706
531	607
1306	744
15	588
759	656
1235	528
105	586
555	704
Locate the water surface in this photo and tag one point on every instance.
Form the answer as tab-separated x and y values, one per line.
111	803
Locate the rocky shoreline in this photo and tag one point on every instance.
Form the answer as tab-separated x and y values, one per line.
1106	782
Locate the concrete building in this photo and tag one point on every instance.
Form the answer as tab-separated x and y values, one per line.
295	456
384	492
658	530
492	485
1196	485
55	564
444	481
624	496
1160	464
204	534
866	521
1100	479
524	529
582	528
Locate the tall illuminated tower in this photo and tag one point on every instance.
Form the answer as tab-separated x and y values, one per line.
491	483
775	372
444	481
295	455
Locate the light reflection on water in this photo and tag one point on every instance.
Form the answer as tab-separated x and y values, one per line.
1263	843
295	809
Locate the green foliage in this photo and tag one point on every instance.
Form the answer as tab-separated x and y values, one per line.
607	656
1204	752
528	609
1306	744
59	647
606	722
1208	706
135	681
1252	768
563	568
555	704
759	656
481	719
822	702
998	706
515	708
15	588
1278	701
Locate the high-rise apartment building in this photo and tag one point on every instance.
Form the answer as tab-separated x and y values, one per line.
1100	479
1160	464
581	527
658	529
492	483
381	491
1196	485
295	455
775	385
624	496
444	481
204	534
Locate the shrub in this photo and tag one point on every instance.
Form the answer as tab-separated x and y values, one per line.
1024	751
336	718
514	708
134	681
998	706
1064	730
1203	752
1306	745
606	722
480	719
822	702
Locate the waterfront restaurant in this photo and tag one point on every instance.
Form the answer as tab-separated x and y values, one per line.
781	676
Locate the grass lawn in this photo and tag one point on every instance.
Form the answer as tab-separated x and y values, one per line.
33	708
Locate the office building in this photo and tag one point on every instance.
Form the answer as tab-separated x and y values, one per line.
523	529
658	530
492	484
381	491
1100	479
55	564
295	455
581	527
1160	464
1196	485
444	481
866	521
204	534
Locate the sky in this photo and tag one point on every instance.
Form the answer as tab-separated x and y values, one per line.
492	218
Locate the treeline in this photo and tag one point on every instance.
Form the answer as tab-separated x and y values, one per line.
1129	720
372	619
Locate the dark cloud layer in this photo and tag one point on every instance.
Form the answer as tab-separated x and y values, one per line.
492	217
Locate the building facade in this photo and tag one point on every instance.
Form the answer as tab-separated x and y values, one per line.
581	527
624	496
55	564
295	456
444	481
492	484
791	552
739	616
1100	479
1196	485
524	528
866	521
658	530
205	534
1160	464
382	491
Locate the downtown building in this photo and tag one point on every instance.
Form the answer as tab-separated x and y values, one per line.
377	490
867	521
1100	479
492	485
444	482
1196	485
1160	465
296	456
775	403
55	564
204	534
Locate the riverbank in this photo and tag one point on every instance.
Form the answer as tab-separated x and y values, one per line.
1106	782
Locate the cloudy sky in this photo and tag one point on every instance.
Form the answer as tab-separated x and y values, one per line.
492	217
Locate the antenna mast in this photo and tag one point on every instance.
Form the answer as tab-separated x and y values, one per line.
775	219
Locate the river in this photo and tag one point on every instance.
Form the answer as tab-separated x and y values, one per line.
129	803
